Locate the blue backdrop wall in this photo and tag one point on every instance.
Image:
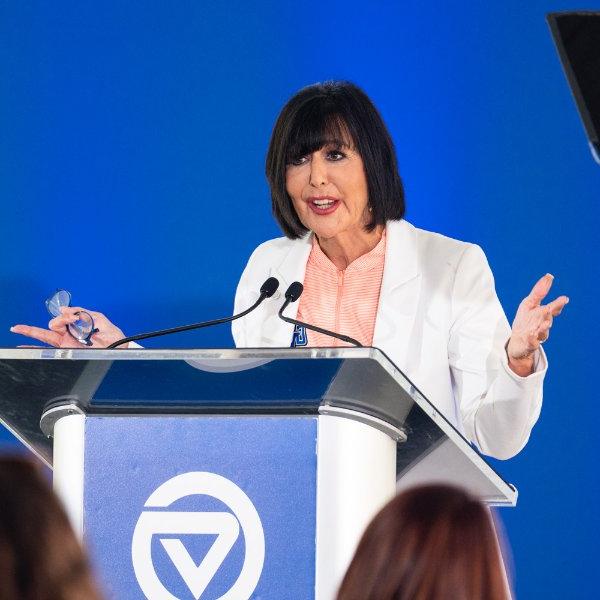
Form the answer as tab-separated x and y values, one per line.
131	173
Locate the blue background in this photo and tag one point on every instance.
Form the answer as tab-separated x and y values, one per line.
131	172
126	460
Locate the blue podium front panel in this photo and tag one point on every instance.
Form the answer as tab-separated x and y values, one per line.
181	507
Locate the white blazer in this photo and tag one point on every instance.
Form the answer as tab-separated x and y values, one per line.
439	320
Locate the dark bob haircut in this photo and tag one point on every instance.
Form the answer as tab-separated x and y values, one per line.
338	113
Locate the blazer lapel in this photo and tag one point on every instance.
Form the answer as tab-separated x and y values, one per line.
399	297
275	331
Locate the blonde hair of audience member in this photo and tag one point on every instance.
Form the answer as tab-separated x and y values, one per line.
433	542
40	557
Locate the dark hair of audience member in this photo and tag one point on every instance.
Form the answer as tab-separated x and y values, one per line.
40	557
429	543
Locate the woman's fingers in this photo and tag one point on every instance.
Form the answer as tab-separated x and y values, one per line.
98	317
543	330
540	289
533	320
73	310
534	332
557	305
550	311
37	333
59	324
70	310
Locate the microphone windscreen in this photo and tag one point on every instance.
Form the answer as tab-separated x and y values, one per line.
269	287
294	291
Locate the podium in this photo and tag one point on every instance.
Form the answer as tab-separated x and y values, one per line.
230	474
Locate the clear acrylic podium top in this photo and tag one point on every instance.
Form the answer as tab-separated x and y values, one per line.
37	386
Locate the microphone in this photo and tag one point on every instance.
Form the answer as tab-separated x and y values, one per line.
267	289
292	294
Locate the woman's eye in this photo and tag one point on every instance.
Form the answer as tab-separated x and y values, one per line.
335	155
300	160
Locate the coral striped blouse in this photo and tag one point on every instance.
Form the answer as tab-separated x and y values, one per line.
342	301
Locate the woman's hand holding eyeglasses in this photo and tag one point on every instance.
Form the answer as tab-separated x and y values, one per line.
58	335
72	326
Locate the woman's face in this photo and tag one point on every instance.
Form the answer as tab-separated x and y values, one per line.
329	190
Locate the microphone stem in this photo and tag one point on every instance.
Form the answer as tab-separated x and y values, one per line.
143	336
344	338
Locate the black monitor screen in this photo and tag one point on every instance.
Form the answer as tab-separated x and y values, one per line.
577	37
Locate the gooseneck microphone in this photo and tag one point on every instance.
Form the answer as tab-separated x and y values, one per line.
291	295
267	289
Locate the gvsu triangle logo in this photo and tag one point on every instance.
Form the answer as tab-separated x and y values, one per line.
225	525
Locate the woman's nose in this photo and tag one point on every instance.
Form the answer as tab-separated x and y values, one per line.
318	171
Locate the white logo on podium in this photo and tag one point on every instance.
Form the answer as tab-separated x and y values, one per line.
224	524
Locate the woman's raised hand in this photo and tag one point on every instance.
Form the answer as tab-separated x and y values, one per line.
531	326
58	335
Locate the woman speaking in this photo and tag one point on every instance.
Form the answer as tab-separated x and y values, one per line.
426	300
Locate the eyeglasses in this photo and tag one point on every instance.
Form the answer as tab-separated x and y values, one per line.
82	329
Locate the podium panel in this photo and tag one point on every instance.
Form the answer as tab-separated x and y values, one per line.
233	516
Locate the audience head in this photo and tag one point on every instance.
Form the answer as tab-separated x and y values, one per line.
40	557
429	543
